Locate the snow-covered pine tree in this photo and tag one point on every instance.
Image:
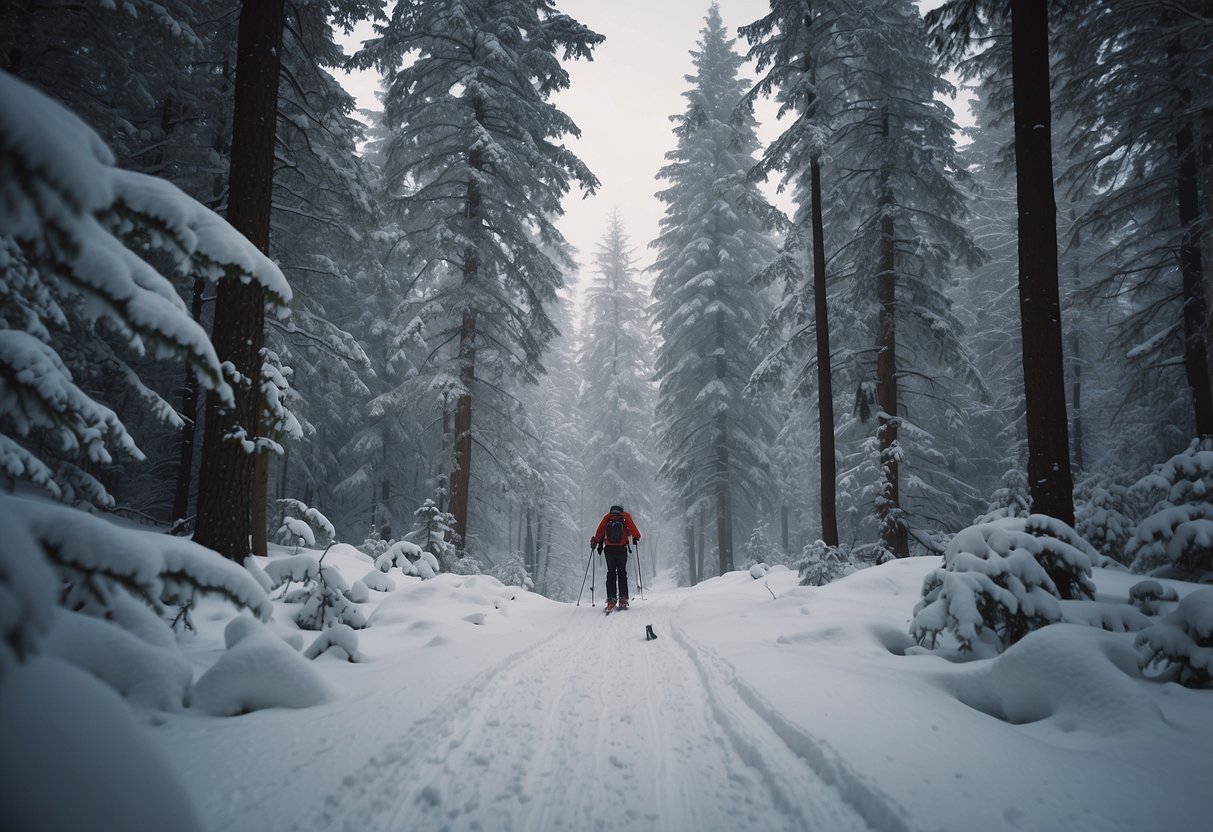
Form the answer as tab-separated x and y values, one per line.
75	228
617	397
714	441
1133	75
480	172
892	186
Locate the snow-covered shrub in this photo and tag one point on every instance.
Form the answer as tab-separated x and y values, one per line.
1179	646
409	558
375	545
340	636
1151	597
74	232
326	603
511	571
1176	538
820	564
1103	520
999	581
758	549
466	565
303	526
432	530
291	569
359	592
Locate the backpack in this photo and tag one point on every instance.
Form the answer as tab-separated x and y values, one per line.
616	531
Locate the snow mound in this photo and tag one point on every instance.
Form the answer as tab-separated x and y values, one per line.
73	757
378	581
341	636
1076	678
260	671
155	676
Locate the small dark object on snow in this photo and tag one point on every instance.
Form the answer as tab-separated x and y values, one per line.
649	635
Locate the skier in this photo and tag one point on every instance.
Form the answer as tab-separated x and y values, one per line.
611	539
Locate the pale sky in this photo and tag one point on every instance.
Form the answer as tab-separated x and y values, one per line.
622	101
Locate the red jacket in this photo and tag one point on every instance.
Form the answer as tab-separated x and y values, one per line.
631	530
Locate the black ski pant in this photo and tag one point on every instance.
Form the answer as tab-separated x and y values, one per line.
617	571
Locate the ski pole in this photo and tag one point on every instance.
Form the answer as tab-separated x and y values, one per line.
639	579
587	572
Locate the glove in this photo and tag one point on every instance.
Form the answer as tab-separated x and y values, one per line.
593	542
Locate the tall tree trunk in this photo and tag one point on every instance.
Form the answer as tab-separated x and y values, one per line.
225	490
700	554
1191	266
825	374
892	527
1049	479
189	430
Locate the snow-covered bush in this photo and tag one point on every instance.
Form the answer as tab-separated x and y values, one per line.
511	571
759	549
375	545
302	525
74	234
291	569
1000	580
409	558
1102	519
326	601
432	531
1179	646
1151	597
1176	537
466	565
820	564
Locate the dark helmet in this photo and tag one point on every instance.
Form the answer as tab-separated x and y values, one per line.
616	509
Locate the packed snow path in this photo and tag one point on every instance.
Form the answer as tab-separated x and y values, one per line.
592	728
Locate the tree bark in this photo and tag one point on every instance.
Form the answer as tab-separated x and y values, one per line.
892	528
1049	479
825	374
1076	361
1191	266
226	476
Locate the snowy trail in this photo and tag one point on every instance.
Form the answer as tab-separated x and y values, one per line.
592	728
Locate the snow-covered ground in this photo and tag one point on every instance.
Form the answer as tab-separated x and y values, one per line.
761	705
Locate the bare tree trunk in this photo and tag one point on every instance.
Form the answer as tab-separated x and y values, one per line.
261	498
1049	479
783	530
226	476
724	526
1076	358
1195	311
892	527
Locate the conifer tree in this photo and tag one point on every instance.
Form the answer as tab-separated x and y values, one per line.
479	173
616	364
713	440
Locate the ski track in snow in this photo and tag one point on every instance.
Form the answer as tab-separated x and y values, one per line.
594	728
